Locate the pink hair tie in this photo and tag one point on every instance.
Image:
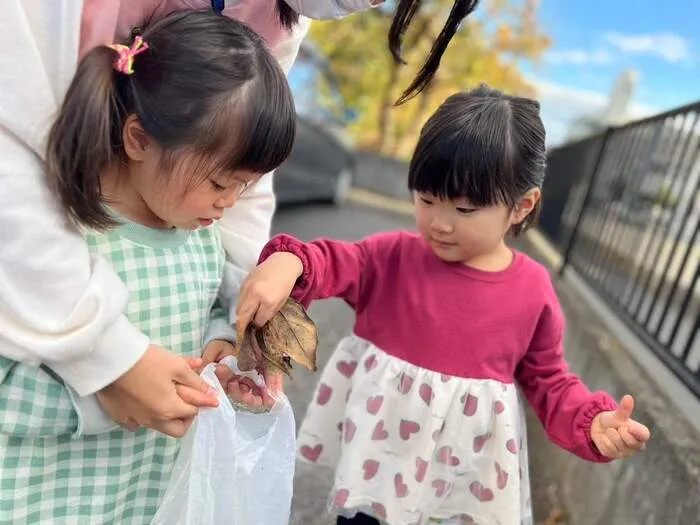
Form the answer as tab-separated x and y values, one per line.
125	62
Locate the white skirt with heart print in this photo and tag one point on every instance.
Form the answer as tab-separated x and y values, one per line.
412	446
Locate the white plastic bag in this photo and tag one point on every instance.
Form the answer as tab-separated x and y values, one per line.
234	467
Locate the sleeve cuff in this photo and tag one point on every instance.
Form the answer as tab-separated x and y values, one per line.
92	419
602	403
116	352
288	244
220	329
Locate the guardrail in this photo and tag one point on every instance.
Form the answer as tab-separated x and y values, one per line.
623	208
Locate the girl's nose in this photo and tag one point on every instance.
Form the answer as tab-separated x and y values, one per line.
227	201
441	226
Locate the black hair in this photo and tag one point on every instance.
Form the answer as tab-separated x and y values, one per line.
288	16
483	146
405	11
403	16
206	85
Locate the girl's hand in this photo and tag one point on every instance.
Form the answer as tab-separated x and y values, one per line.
243	391
161	391
215	351
616	434
266	289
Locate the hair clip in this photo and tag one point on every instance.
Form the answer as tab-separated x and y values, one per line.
125	62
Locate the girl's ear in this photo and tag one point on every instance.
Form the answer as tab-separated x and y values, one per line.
526	205
136	141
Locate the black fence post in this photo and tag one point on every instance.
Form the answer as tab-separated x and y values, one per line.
586	199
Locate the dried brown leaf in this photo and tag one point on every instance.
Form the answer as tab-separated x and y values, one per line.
289	336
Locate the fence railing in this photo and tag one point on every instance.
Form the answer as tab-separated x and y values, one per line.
624	209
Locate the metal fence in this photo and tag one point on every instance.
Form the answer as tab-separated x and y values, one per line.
624	208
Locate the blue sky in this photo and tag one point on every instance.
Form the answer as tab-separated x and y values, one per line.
595	40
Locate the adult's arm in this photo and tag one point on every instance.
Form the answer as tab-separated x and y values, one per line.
59	305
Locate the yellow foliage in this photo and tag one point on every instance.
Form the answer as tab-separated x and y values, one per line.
489	48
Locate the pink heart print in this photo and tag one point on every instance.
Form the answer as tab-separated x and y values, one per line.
405	383
440	486
370	363
511	446
311	453
444	456
480	492
438	433
480	441
471	403
421	469
324	394
426	393
370	468
374	404
407	428
501	477
347	368
341	497
350	429
379	511
400	487
498	407
379	432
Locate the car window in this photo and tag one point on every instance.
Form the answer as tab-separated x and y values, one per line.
330	101
302	81
315	93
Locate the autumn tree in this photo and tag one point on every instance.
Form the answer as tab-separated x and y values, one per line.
488	48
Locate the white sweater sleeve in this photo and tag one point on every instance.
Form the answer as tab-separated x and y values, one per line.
58	305
245	228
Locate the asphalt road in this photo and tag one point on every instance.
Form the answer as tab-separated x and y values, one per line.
334	321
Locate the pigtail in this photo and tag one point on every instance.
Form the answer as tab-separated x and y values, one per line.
403	17
288	17
404	14
81	142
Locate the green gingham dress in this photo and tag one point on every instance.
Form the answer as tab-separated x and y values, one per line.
49	472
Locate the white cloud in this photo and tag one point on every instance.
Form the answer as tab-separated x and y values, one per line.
562	104
668	46
579	57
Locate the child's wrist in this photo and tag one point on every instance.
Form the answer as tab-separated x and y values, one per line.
291	261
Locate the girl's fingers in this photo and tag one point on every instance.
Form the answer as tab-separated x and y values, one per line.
192	399
629	440
248	383
606	447
186	377
246	309
195	363
616	439
174	427
241	394
130	425
224	374
639	431
264	314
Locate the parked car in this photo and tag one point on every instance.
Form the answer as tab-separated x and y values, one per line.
322	162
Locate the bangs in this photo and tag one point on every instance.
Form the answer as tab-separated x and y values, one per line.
254	131
468	160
